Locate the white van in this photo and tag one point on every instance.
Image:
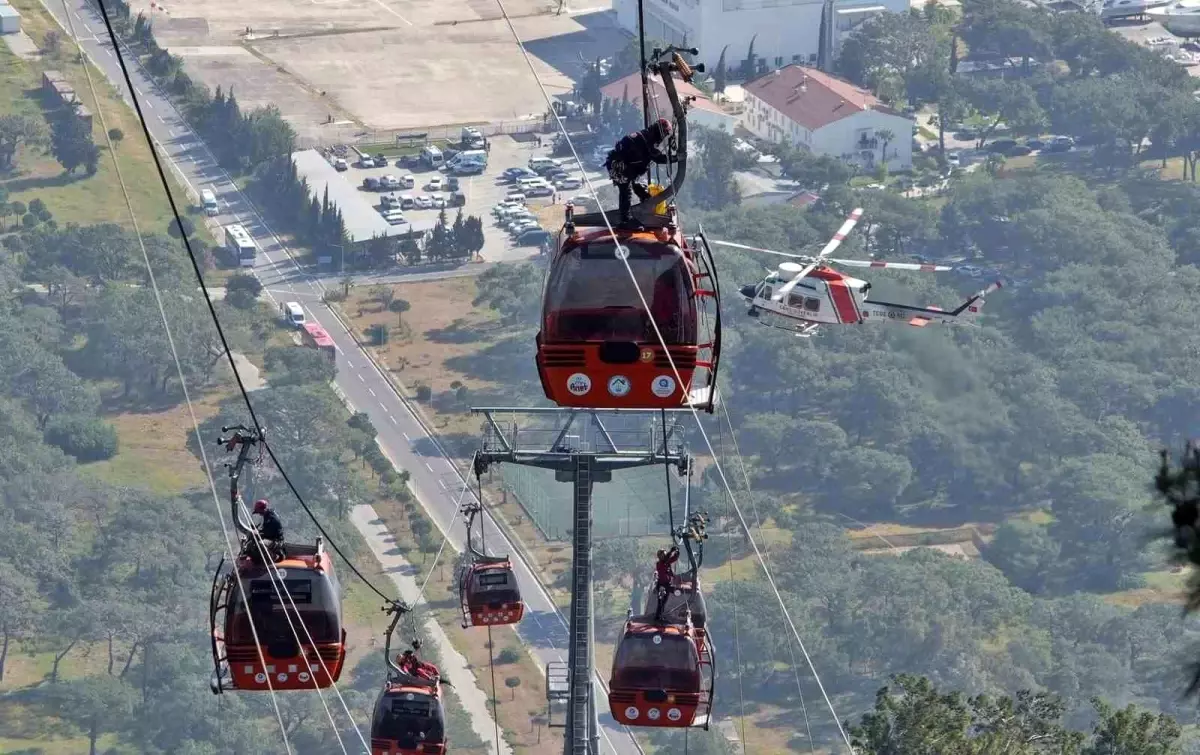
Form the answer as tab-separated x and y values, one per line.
530	183
432	156
539	164
408	202
209	200
470	155
294	314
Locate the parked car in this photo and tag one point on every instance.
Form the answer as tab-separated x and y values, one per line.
408	161
365	161
515	196
518	228
435	184
534	237
339	164
568	184
439	202
539	191
371	183
512	175
452	184
390	182
424	202
458	199
408	182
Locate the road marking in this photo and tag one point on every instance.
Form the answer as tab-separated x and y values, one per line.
139	92
406	437
443	484
160	119
372	392
389	9
393	419
150	105
348	362
428	467
360	377
109	53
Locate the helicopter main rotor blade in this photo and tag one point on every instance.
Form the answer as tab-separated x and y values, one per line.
892	265
764	251
786	288
833	244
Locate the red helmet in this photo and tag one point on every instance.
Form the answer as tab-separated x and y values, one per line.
664	127
260	505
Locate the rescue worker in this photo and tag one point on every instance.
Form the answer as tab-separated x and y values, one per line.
664	575
629	160
410	664
271	529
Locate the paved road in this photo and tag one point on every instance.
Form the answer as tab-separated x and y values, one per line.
436	481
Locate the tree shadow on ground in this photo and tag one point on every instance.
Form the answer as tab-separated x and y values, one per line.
460	331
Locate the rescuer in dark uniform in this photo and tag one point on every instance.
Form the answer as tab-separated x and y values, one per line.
664	573
271	529
630	159
410	664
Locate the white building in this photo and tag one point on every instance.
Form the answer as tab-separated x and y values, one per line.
827	116
701	111
784	31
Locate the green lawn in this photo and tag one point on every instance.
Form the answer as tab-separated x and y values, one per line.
79	198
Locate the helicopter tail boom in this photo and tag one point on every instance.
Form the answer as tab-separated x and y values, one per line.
919	317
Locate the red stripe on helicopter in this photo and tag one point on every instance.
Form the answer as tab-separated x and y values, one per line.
843	302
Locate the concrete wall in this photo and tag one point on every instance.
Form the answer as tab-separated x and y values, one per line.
856	136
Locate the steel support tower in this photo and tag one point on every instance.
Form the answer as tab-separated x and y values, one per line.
583	447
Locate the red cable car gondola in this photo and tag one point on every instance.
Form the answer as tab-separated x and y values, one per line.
294	608
663	669
487	588
409	717
598	347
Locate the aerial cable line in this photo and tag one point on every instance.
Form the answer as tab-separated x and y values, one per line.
737	641
187	243
675	369
170	337
758	526
458	508
491	645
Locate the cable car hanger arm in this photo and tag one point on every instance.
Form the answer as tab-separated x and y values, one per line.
242	440
666	70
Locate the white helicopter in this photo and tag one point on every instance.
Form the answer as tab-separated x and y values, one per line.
802	297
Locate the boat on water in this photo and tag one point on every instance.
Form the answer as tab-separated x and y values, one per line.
1117	9
1181	18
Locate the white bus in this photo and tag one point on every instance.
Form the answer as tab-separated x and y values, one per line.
209	200
240	245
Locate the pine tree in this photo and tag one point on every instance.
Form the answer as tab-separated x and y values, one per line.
721	74
71	141
458	237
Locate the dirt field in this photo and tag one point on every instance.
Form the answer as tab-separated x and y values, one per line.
451	61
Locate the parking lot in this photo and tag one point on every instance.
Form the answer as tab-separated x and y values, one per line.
482	192
338	68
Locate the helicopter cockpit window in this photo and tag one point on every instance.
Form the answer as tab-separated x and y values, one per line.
590	296
796	301
812	305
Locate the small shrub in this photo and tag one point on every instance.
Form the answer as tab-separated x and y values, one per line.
424	393
86	438
116	135
189	228
508	655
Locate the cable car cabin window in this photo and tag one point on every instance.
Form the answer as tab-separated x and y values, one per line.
671	665
494	587
590	296
416	719
812	305
315	600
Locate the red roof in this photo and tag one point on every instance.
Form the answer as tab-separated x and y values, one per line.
630	90
811	97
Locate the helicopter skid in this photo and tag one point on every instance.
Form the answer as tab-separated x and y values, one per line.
798	328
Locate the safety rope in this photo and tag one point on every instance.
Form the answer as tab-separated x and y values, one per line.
234	575
667	473
208	300
683	386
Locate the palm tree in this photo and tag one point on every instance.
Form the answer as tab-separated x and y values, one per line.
885	136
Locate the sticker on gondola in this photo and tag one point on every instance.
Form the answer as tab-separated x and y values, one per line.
579	384
647	355
281	572
619	385
304	677
674	714
663	386
657	639
622	252
260	677
653	714
281	677
631	712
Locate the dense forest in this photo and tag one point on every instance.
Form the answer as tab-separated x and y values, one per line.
1042	422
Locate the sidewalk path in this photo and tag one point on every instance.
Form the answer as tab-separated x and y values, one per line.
454	665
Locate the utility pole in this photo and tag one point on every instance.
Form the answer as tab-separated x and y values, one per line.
583	447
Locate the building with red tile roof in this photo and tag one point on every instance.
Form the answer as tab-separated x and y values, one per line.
701	111
828	116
